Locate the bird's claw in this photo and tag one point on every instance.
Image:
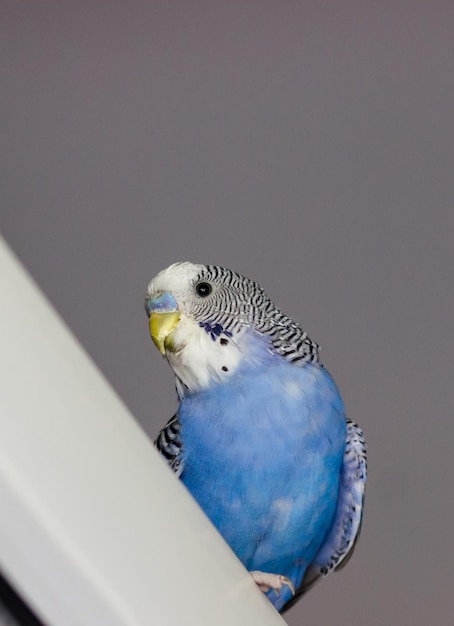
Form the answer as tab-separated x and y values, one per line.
266	581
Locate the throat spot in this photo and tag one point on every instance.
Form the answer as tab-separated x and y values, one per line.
207	357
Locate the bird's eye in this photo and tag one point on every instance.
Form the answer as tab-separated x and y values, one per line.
203	289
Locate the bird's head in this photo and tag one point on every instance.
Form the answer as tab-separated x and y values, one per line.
208	321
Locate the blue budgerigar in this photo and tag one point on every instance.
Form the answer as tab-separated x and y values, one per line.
260	438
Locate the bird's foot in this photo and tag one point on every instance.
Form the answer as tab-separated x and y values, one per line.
266	581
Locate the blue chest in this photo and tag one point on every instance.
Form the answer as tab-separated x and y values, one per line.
262	455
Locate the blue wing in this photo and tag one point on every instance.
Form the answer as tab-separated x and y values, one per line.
340	542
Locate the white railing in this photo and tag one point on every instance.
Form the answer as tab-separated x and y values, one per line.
94	528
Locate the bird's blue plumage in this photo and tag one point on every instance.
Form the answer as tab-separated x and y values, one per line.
262	455
260	438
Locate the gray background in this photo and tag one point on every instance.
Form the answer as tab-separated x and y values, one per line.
308	145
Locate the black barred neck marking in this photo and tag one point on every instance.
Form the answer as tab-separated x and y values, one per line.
237	301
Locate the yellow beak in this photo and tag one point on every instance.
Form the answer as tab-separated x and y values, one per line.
162	326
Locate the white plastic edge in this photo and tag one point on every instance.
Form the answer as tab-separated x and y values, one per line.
94	528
